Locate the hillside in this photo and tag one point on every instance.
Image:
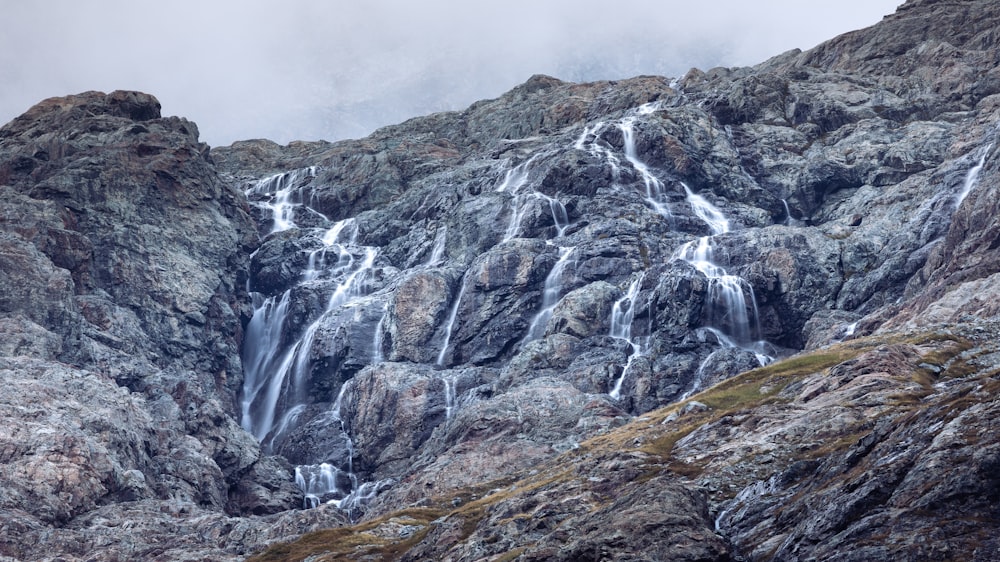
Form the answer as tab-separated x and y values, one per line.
743	314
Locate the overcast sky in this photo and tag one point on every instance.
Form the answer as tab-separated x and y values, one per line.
331	69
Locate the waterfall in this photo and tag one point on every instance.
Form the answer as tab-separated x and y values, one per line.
449	396
622	314
450	325
279	189
263	337
560	218
654	187
317	265
972	176
378	340
437	252
517	210
328	481
276	373
713	217
515	179
727	305
319	480
728	309
588	141
789	219
550	296
731	313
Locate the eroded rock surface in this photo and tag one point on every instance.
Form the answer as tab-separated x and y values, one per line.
464	329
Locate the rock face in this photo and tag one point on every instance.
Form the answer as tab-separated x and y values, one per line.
123	258
467	330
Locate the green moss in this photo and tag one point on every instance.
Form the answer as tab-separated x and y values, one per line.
837	445
753	387
647	434
350	543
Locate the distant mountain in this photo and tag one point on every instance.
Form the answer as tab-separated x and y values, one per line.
749	314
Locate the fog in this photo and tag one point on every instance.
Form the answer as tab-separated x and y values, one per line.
331	69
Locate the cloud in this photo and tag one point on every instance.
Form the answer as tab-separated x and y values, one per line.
309	69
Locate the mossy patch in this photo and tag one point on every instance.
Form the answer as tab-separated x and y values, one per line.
653	436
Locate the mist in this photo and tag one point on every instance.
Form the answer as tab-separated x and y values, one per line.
314	69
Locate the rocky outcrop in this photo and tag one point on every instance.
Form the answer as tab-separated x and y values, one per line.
124	258
620	246
565	323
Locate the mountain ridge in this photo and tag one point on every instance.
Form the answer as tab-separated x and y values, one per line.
749	308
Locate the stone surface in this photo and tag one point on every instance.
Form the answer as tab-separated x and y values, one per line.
482	318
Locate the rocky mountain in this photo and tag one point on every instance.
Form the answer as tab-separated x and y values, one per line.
744	314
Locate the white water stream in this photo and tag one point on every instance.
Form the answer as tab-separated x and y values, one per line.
281	189
523	197
450	325
972	176
654	187
551	291
276	375
622	315
731	313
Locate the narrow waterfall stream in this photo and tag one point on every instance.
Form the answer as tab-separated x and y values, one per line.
973	175
450	325
622	315
654	187
277	367
550	296
731	307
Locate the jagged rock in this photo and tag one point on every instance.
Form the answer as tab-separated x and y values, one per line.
464	297
486	439
266	488
584	312
418	307
390	410
123	295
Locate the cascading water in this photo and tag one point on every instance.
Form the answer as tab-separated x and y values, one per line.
378	340
450	325
449	396
789	219
437	251
654	187
277	193
326	480
590	141
550	296
514	182
716	221
622	315
728	308
263	341
517	176
729	314
973	175
276	381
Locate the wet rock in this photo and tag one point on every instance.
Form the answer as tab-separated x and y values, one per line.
845	191
419	306
584	312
